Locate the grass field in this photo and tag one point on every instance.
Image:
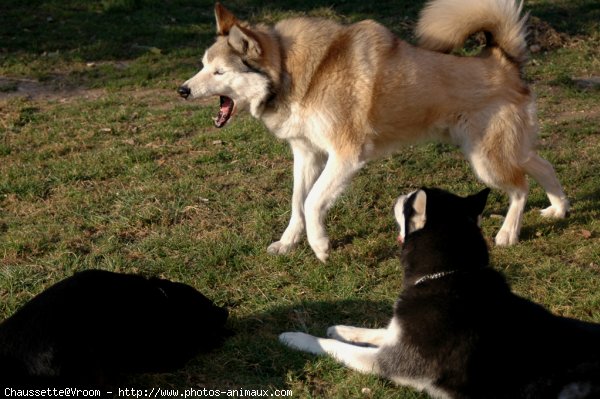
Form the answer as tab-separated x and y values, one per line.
103	166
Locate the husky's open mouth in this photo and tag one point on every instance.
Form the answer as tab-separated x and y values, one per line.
225	111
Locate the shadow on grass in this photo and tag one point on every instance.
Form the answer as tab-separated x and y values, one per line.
124	29
105	30
574	17
253	358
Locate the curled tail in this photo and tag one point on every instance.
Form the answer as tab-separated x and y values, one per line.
445	25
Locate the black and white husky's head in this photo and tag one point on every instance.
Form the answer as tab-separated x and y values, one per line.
413	210
440	231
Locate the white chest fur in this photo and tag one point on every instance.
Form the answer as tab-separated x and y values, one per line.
312	126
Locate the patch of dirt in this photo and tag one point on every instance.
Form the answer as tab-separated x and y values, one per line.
54	90
592	113
46	90
587	83
541	36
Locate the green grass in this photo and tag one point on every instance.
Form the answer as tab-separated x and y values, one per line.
105	167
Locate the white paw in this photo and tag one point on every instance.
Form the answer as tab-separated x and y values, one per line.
321	248
301	341
556	212
279	248
322	256
505	239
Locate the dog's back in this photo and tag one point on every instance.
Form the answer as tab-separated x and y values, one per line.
95	325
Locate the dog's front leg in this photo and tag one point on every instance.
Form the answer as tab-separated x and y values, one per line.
359	358
357	335
308	163
338	172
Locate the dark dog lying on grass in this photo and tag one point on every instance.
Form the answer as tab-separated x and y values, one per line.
457	330
97	325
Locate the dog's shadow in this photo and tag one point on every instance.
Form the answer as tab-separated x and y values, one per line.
253	358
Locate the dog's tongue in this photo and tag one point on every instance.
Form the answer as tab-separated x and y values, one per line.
224	112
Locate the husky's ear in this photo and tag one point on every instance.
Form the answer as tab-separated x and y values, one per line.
225	19
245	42
477	202
418	218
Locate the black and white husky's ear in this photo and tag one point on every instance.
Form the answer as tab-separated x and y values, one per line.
418	218
225	20
477	204
245	42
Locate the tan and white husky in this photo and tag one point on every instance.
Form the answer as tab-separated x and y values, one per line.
344	95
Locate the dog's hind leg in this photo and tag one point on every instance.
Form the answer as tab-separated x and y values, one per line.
543	172
359	358
504	174
338	172
307	166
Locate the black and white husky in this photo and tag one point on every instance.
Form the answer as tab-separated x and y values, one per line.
457	329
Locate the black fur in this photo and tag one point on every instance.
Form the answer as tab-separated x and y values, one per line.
97	325
468	332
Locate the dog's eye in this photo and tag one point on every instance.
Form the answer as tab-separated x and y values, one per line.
219	72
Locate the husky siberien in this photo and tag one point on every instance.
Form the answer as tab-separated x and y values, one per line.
344	95
457	330
96	325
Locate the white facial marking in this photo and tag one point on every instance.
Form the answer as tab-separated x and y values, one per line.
417	220
226	75
399	215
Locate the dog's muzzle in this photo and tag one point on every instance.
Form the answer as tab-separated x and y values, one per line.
184	91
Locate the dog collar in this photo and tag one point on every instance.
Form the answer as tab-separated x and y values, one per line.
434	276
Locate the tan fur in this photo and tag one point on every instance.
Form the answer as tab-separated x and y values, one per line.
355	93
225	19
445	25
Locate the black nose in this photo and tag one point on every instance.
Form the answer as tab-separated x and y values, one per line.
184	91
